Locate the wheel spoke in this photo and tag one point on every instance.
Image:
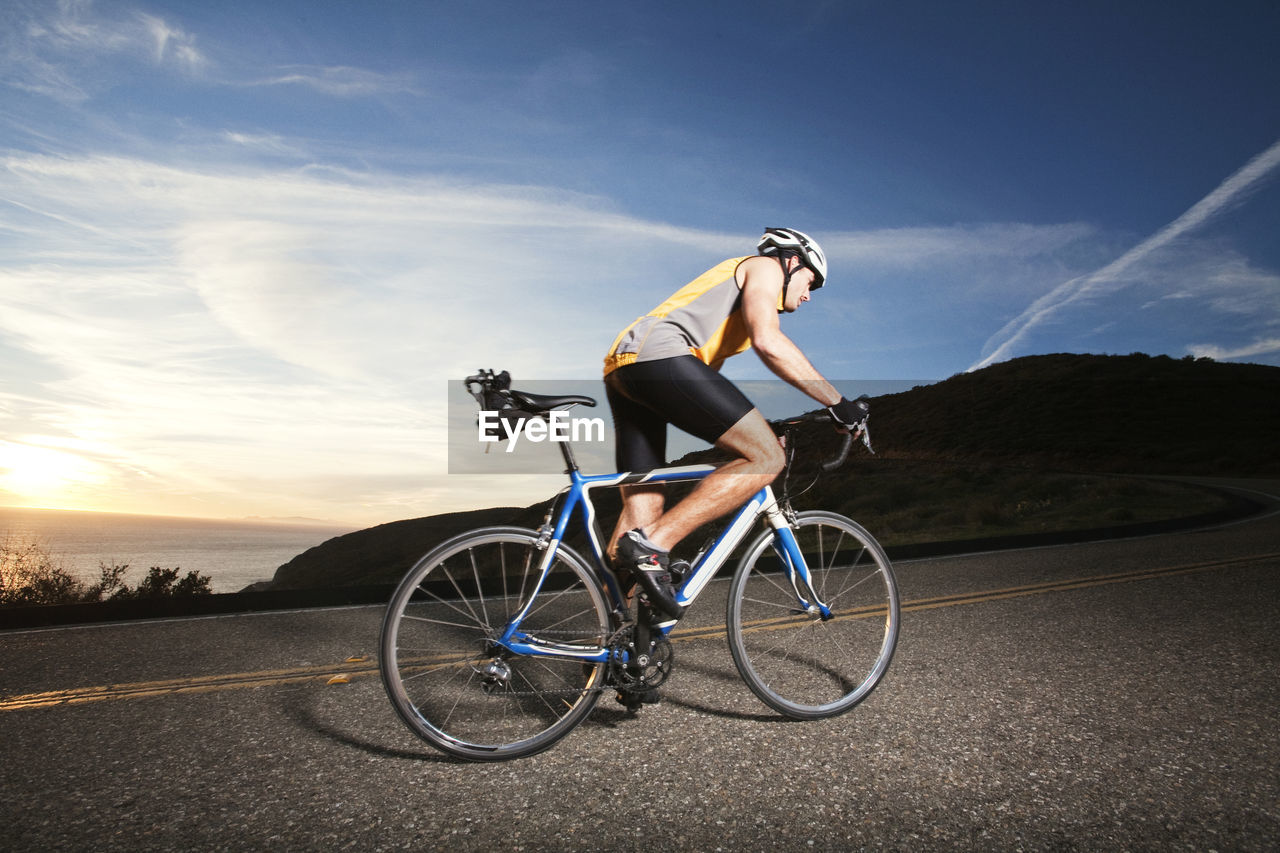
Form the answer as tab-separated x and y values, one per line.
444	672
796	663
475	574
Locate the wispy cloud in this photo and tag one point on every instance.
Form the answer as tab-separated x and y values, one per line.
1257	348
172	44
920	247
60	51
279	338
1229	192
340	81
211	334
53	49
266	143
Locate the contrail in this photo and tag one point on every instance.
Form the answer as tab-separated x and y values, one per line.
1086	285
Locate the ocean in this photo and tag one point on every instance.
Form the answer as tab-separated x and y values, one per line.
233	554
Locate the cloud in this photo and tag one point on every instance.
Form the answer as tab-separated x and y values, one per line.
231	335
1257	348
265	143
62	51
910	248
341	81
909	302
56	50
1232	191
238	335
172	44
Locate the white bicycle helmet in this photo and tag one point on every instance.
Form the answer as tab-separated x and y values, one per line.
776	240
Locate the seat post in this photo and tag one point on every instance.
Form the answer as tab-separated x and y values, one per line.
567	452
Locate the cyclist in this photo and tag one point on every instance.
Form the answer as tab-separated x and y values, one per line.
664	368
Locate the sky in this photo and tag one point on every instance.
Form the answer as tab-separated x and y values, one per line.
244	247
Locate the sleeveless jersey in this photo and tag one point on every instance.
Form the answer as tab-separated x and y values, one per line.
703	319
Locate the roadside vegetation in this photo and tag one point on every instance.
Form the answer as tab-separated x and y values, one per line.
30	575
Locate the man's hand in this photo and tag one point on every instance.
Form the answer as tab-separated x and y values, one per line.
851	415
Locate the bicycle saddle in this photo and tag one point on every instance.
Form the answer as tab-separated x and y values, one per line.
545	402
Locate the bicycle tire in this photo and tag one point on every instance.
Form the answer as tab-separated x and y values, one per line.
796	663
447	680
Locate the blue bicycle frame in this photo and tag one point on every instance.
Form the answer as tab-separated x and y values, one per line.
577	496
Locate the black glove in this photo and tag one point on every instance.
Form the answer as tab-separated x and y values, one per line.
851	414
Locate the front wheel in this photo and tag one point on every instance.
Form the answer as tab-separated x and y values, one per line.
797	663
458	689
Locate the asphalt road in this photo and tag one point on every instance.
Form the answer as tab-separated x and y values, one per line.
1117	695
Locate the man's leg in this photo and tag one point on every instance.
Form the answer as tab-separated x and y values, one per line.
641	445
686	392
641	507
759	461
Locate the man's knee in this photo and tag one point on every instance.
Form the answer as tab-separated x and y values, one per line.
768	460
777	459
753	440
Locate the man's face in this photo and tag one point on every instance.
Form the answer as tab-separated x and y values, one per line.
798	290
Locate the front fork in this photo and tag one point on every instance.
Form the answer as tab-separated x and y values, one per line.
787	549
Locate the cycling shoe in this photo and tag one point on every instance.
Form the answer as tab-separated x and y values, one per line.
651	570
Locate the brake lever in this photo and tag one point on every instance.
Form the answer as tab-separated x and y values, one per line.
866	438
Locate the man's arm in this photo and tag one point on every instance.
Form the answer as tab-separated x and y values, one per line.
761	287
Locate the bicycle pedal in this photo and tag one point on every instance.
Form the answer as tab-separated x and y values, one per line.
633	701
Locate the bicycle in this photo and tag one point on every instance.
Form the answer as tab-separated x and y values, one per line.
499	641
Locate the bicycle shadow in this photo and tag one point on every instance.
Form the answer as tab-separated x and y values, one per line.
303	711
345	724
673	694
728	678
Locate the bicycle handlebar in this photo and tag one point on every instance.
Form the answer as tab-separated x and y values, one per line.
488	381
846	443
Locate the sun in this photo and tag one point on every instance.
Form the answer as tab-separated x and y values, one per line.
36	473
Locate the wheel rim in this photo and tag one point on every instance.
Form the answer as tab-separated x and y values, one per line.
796	662
459	690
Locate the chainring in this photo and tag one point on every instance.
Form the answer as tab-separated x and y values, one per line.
646	671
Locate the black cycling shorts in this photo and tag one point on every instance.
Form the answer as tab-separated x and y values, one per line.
645	396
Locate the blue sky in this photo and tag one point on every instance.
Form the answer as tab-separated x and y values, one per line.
243	246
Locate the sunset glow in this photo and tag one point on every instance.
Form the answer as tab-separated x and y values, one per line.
42	476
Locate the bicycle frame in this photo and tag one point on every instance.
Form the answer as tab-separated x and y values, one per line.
576	496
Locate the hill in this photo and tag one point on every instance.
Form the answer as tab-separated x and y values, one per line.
379	554
1134	414
999	451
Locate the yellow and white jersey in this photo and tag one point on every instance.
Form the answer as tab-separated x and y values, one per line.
703	319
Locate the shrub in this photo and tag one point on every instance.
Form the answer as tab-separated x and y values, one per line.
29	574
159	583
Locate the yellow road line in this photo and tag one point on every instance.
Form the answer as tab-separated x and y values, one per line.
200	684
357	667
1079	583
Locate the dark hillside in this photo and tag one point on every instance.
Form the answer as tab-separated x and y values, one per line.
380	554
984	453
1133	414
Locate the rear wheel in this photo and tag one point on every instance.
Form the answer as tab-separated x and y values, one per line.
798	664
447	678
